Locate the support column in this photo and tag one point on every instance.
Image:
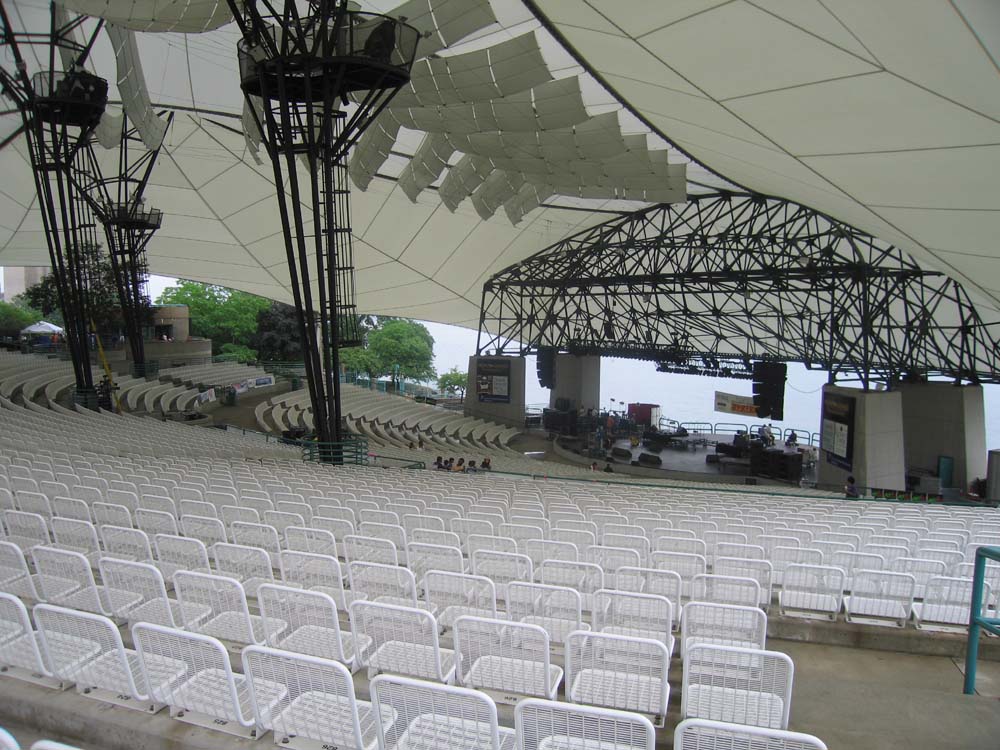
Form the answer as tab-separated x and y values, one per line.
873	438
944	420
577	379
485	396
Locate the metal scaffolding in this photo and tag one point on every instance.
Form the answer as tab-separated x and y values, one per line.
707	286
314	81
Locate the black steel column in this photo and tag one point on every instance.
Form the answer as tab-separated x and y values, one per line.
314	82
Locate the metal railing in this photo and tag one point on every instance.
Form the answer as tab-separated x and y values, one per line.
352	451
978	621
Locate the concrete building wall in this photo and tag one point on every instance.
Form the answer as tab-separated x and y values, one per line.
941	419
18	278
879	459
176	316
512	413
577	379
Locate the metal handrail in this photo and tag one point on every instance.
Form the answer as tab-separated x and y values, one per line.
977	620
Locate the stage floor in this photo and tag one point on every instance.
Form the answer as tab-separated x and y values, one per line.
691	458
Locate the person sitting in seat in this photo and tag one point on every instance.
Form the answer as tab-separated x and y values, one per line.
471	469
486	465
608	469
381	42
439	463
767	436
851	489
460	466
792	441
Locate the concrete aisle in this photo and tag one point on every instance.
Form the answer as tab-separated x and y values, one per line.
856	699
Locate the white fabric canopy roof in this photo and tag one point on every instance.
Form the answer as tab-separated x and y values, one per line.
504	144
42	326
884	114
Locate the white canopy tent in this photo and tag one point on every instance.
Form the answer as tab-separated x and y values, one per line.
504	143
42	327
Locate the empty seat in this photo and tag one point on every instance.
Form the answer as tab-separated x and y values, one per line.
389	584
146	581
191	673
725	590
126	543
412	714
502	568
704	734
738	685
15	577
947	603
549	725
87	649
20	646
618	671
422	557
25	529
359	548
812	591
451	595
206	530
722	625
313	625
308	539
509	660
77	536
317	573
174	553
66	578
586	578
635	614
880	597
318	702
230	619
251	566
760	570
404	641
558	609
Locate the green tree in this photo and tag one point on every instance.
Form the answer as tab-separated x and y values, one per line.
403	349
226	316
105	306
361	360
454	381
277	337
14	317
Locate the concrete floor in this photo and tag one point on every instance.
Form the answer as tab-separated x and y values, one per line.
851	698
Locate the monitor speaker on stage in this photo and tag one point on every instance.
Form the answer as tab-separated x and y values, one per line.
545	364
769	389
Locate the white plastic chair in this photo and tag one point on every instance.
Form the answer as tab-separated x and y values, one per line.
617	671
452	595
703	734
508	660
20	645
635	615
880	597
549	725
174	553
313	625
87	649
502	568
558	609
722	625
737	685
318	704
58	569
404	641
317	573
230	619
145	580
812	591
444	717
191	673
251	566
946	604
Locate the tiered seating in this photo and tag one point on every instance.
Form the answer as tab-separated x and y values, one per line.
485	581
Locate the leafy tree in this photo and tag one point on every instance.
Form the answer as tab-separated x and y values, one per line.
359	359
239	352
403	349
277	338
14	317
454	381
224	315
105	307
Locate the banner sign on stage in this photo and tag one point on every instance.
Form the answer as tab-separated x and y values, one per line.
493	380
206	397
733	404
263	381
242	387
837	430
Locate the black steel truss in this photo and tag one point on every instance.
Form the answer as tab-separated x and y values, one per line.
60	107
314	81
117	198
738	277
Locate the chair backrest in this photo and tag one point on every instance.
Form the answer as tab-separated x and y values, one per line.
542	724
59	567
87	649
542	603
704	734
241	562
359	548
111	514
80	535
637	614
652	581
376	580
136	577
225	598
155	522
502	567
404	639
617	671
312	610
460	591
184	552
206	530
260	535
496	654
453	718
422	558
722	589
737	685
308	569
18	646
183	670
723	625
29	527
126	543
317	698
309	539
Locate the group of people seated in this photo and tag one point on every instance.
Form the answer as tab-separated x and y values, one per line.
440	464
767	437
